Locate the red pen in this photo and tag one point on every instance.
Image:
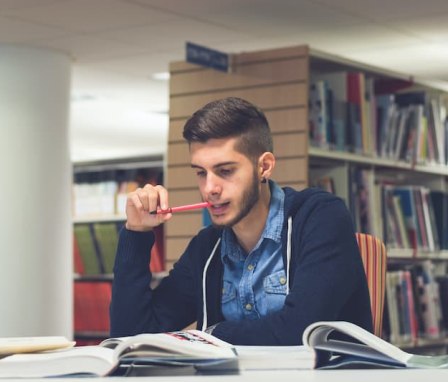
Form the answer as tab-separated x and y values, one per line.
187	207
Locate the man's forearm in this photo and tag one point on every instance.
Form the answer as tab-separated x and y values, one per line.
131	294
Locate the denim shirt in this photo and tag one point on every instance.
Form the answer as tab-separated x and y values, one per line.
254	284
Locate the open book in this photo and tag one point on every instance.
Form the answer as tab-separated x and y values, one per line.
360	348
190	347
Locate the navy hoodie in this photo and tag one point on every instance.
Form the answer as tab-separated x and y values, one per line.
326	279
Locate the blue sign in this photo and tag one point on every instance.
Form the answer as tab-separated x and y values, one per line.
201	55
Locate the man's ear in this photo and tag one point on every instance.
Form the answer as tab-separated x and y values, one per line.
266	164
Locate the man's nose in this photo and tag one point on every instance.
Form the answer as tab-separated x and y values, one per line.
212	185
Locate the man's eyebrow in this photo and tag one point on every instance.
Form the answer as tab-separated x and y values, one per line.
218	165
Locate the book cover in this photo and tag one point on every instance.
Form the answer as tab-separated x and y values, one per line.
318	117
91	306
392	233
392	307
409	210
355	118
400	220
428	213
443	287
439	200
337	108
87	249
78	265
385	107
106	236
421	222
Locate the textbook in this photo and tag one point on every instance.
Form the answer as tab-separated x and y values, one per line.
356	347
181	348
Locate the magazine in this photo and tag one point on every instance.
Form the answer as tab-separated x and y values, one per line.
360	348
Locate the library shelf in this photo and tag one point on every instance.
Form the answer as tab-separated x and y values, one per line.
99	197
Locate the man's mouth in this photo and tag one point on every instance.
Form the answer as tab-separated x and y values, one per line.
218	208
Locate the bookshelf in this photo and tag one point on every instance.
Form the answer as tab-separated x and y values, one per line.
385	161
319	136
99	197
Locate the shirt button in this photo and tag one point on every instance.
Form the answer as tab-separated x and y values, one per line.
282	280
248	306
250	267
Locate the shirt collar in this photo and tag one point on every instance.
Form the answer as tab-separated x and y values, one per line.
272	229
274	222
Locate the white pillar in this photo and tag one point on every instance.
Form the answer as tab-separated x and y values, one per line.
36	278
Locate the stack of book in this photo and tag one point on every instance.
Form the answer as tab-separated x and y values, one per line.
414	307
350	111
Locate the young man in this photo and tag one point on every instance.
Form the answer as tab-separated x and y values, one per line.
273	261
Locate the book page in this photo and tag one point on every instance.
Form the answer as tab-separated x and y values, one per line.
189	343
274	357
113	342
316	336
13	345
82	360
429	362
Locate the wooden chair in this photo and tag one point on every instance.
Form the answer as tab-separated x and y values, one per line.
374	258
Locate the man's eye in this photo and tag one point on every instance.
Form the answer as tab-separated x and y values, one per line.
200	174
226	172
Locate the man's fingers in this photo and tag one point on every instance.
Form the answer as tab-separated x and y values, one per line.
135	200
149	197
163	197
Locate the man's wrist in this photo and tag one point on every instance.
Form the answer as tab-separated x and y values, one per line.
137	228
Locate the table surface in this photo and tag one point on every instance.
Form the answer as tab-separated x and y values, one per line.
364	375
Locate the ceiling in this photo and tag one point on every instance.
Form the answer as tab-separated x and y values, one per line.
119	108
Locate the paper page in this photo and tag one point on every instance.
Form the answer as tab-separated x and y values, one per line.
189	343
94	360
274	357
12	345
210	338
113	342
429	362
316	336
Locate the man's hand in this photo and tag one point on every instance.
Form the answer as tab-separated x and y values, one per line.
141	202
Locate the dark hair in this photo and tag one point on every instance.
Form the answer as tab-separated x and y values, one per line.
231	117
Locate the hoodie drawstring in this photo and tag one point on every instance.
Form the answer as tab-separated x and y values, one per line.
288	253
204	273
204	293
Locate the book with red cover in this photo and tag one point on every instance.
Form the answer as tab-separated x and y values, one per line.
78	265
91	306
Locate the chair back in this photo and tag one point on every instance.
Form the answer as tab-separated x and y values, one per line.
374	258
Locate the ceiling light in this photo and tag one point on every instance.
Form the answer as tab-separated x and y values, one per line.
162	76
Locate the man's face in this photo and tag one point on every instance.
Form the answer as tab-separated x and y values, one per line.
227	179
